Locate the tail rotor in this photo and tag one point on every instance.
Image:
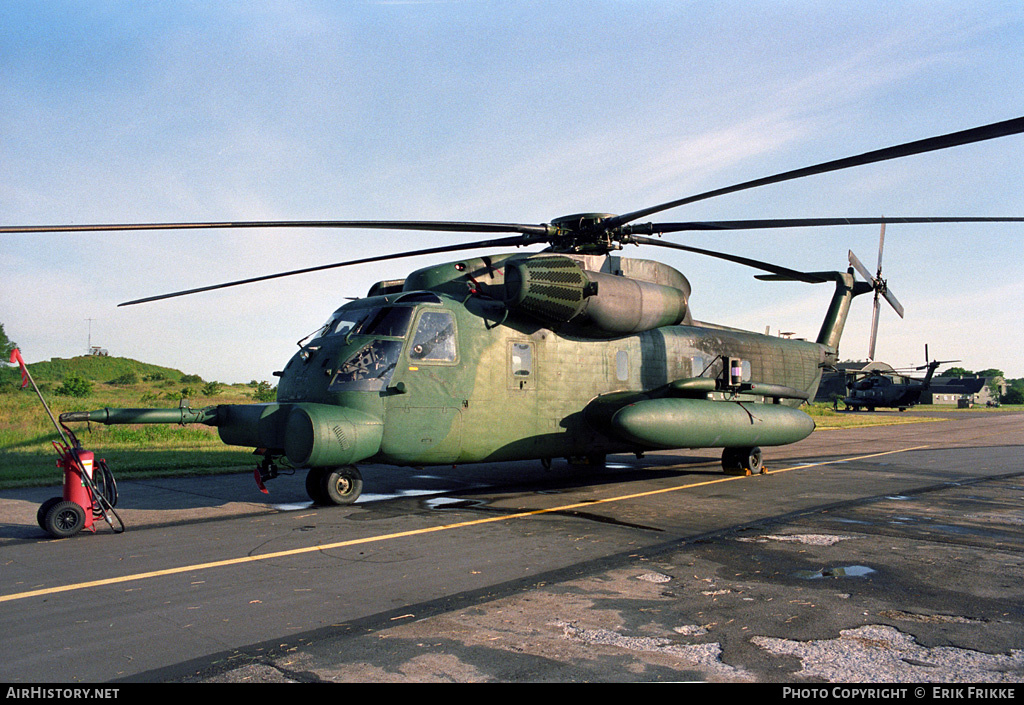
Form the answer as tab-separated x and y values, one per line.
880	287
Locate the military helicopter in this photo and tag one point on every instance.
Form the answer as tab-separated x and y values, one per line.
890	389
572	352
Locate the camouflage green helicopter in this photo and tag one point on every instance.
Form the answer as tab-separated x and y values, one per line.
573	352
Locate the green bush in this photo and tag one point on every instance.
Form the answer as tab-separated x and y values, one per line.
125	379
74	386
211	389
264	392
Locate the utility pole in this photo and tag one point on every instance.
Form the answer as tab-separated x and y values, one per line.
89	351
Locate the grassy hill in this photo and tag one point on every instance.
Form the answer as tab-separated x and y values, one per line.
95	368
83	383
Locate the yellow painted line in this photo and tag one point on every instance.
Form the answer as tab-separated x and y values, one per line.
403	534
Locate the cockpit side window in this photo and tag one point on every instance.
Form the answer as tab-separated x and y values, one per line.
434	340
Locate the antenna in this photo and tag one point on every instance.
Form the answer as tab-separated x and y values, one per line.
88	350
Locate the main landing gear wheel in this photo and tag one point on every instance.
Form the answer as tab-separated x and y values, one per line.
339	486
742	461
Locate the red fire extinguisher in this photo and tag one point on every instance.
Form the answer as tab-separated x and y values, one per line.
90	492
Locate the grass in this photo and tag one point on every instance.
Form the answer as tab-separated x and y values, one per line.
826	418
27	455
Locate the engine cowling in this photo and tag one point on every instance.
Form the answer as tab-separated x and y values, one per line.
558	290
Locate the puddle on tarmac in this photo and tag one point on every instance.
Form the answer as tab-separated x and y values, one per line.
453	503
293	506
849	571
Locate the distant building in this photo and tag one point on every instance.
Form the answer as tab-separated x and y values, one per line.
958	391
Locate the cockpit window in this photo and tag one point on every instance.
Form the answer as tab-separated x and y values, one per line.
368	369
434	340
390	321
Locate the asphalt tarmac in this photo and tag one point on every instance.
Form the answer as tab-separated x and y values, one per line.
891	554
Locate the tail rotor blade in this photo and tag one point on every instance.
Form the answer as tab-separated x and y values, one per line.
881	244
896	305
859	266
874	330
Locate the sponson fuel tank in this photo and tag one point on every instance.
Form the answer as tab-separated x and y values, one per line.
692	423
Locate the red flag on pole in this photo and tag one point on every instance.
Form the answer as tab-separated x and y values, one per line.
16	357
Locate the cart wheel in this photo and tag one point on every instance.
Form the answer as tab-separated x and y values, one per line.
44	508
64	519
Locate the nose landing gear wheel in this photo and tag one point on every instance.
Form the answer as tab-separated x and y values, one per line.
339	486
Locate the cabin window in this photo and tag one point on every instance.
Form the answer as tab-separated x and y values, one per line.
434	340
622	365
696	366
520	365
522	360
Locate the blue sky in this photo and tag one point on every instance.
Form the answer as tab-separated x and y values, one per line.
495	111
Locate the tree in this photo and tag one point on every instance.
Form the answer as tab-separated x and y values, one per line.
1013	396
6	344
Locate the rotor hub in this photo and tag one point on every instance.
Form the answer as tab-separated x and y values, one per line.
583	232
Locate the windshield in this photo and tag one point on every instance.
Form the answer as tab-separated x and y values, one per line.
369	368
390	321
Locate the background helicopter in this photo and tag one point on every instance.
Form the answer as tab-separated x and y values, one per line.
890	389
574	351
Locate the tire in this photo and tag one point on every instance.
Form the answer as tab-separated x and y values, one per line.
731	460
315	485
742	461
754	461
342	486
44	508
64	519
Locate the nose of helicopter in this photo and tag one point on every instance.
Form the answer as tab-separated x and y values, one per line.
319	435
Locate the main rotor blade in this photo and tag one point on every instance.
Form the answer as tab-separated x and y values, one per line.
501	242
756	264
930	144
432	225
769	223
